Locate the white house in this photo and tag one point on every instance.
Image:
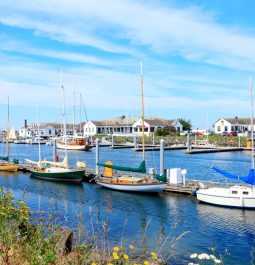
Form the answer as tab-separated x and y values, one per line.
128	126
117	126
152	124
32	130
232	125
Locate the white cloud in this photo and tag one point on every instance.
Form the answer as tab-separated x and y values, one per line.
193	33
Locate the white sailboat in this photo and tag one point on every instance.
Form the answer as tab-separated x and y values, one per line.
131	183
239	196
75	142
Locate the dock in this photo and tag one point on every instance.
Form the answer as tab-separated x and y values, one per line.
157	148
213	150
189	188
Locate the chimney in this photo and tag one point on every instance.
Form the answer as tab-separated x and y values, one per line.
25	125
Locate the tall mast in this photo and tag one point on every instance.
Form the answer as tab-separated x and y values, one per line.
142	110
7	136
252	129
39	140
74	107
64	114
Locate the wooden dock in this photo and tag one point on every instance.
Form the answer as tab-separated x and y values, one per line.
189	189
157	148
213	150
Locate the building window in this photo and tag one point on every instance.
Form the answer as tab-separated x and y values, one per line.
234	192
152	129
49	131
245	193
226	128
135	129
218	128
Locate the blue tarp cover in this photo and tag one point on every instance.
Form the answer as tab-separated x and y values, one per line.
250	179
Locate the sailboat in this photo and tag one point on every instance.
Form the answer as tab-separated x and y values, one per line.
131	183
75	142
5	163
57	171
239	196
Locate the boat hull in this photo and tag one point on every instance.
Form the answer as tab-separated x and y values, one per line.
71	176
224	197
74	147
156	187
11	168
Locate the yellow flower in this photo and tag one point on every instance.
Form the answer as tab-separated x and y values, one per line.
116	249
154	255
131	247
116	257
109	263
114	253
146	262
125	256
93	263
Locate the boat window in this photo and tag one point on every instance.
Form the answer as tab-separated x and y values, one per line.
245	192
234	192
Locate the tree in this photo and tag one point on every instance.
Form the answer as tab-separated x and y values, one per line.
168	130
186	124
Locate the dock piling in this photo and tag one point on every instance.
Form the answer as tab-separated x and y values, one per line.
162	157
97	156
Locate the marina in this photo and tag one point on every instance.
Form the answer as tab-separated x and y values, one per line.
165	209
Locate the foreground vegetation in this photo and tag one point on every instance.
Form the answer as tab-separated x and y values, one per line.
40	243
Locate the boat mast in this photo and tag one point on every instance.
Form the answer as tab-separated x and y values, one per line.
38	134
7	136
142	110
74	108
252	129
64	114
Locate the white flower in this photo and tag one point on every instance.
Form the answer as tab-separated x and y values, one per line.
203	256
212	257
217	261
193	256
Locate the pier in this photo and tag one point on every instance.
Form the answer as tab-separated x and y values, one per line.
204	150
157	148
189	188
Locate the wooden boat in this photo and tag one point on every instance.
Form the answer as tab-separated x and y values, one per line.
240	196
131	183
6	164
74	143
56	171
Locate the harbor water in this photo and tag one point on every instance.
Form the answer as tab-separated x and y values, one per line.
150	221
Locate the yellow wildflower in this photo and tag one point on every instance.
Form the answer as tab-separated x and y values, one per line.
154	255
116	249
131	247
109	263
93	263
114	253
125	256
116	257
146	262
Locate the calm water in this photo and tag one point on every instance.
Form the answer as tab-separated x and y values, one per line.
144	219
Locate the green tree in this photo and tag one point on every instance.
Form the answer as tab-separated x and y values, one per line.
186	124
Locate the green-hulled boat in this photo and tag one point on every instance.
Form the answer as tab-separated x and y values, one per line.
58	171
59	174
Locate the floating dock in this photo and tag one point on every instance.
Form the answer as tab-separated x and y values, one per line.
213	150
189	188
157	148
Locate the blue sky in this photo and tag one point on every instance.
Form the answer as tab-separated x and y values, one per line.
197	57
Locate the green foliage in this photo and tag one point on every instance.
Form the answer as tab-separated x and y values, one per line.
168	130
187	126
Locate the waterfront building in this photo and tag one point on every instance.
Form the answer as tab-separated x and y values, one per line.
128	126
227	125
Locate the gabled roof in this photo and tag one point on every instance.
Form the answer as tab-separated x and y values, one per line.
119	121
244	121
159	122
